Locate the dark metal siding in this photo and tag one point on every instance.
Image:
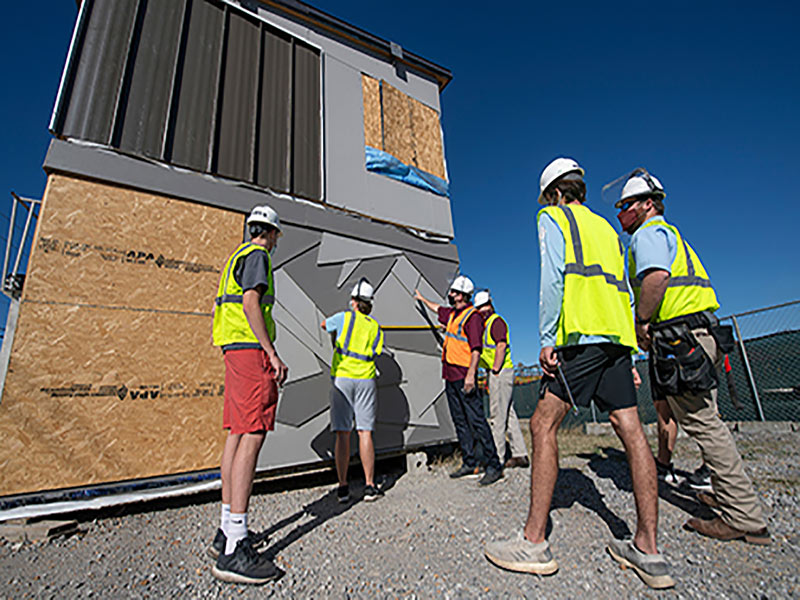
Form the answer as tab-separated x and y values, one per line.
94	91
149	85
198	84
275	114
235	149
306	149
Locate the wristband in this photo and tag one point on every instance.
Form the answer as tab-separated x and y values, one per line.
496	372
641	320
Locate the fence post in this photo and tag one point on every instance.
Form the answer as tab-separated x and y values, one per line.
594	412
750	379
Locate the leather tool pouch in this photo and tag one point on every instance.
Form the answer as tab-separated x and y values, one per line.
680	363
723	334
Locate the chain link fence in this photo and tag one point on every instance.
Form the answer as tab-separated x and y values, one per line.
764	373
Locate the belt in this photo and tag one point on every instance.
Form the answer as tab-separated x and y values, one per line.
704	318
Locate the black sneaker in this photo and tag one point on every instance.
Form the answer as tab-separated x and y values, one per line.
700	480
666	473
217	547
465	471
343	494
244	565
372	493
491	476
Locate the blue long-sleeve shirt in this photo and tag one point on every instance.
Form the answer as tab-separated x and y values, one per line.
551	290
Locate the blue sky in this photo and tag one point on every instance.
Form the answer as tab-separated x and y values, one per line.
705	95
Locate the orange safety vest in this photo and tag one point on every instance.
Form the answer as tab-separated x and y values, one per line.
456	350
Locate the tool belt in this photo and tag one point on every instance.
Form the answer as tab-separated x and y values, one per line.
678	362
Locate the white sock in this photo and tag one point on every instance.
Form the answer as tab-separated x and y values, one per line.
237	530
225	518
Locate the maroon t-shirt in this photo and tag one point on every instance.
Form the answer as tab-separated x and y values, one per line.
473	329
499	330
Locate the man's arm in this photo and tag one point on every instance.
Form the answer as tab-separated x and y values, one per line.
499	357
469	380
251	302
431	305
551	290
654	284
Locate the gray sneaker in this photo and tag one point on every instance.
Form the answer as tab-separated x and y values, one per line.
519	554
651	568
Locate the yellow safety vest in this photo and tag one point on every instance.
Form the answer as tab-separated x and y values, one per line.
688	289
456	350
490	346
230	322
596	299
357	345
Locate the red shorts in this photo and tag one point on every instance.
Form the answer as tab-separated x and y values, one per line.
251	392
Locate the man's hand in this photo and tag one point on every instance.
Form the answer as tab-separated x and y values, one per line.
549	360
637	380
643	335
281	370
418	296
469	384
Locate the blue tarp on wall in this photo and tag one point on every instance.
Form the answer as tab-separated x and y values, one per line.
384	163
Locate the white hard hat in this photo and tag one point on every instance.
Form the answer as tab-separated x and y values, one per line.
264	214
463	284
557	168
363	291
482	298
639	184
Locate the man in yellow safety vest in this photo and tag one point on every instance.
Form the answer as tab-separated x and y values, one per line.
357	341
675	321
496	359
245	330
461	353
587	339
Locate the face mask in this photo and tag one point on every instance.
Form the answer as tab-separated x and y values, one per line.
274	247
628	218
451	300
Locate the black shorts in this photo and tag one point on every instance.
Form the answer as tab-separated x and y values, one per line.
599	372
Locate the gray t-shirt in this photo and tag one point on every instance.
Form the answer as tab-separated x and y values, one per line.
250	272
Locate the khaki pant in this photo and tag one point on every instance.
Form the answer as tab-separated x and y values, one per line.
698	416
503	417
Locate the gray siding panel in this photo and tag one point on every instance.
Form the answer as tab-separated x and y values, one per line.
306	152
236	138
272	169
98	76
199	81
147	103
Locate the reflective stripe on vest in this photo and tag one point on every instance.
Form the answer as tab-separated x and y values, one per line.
596	300
230	323
490	348
360	334
456	350
689	288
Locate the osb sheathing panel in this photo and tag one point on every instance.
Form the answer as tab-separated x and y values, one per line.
112	374
397	135
370	89
427	134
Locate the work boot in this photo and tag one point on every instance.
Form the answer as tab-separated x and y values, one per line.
518	462
491	476
716	528
651	568
520	554
465	471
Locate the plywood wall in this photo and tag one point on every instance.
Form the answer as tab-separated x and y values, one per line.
112	373
402	126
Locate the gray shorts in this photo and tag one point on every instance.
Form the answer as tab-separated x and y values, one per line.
353	398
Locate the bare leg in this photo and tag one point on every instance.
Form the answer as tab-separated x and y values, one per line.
342	454
643	474
226	464
667	431
367	452
544	426
243	469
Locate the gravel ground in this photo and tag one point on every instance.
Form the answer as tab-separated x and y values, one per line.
425	538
